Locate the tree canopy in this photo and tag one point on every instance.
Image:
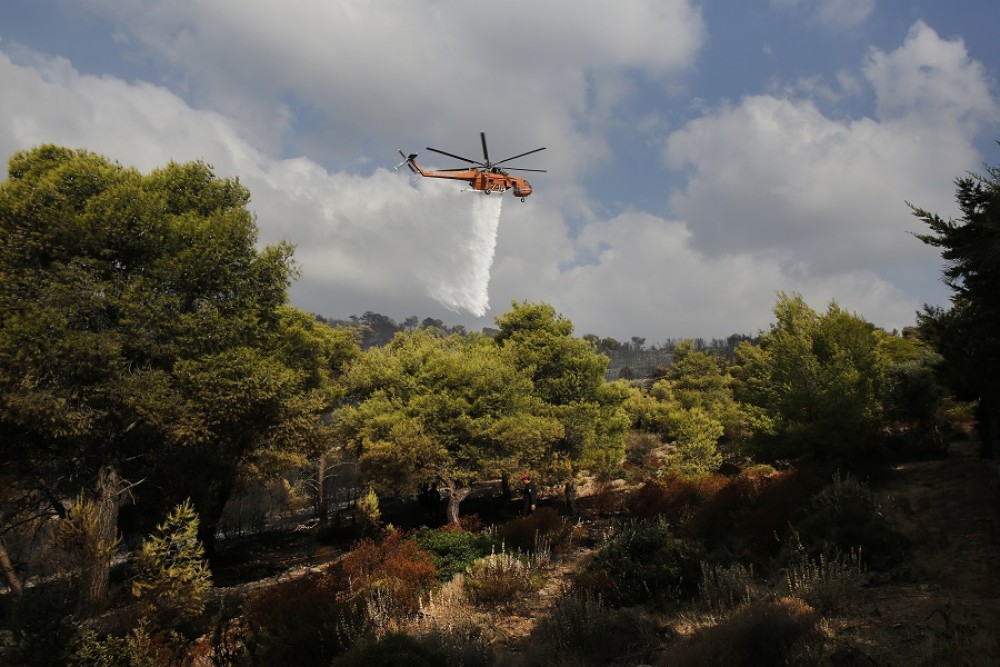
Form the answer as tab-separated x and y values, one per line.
967	334
144	336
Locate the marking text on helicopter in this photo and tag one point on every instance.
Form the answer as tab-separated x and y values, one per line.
484	176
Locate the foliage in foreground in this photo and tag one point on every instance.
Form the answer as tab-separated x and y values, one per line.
171	573
645	563
453	550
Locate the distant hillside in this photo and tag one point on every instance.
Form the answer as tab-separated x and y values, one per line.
631	364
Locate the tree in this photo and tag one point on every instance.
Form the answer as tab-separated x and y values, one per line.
697	379
568	375
967	334
429	409
171	575
815	384
142	337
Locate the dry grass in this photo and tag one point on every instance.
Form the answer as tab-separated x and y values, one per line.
769	632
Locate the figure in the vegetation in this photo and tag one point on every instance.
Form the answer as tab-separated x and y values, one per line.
530	493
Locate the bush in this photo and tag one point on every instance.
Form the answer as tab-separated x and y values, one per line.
771	632
171	573
646	564
305	622
670	499
453	550
844	516
723	588
581	630
544	526
498	580
397	565
829	583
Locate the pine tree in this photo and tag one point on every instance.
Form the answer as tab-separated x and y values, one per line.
171	573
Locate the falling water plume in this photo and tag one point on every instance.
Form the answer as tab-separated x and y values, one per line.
468	288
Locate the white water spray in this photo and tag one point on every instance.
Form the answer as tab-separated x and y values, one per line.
467	287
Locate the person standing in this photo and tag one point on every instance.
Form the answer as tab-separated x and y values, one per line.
530	494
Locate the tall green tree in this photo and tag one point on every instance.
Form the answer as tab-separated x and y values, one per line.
815	384
968	334
449	410
143	336
568	375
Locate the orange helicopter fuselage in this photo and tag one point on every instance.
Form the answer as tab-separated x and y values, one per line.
479	179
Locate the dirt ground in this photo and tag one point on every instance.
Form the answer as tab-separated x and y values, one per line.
943	605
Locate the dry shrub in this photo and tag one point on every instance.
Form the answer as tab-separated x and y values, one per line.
771	632
723	588
499	580
397	565
606	500
581	630
671	499
763	508
299	623
543	527
831	583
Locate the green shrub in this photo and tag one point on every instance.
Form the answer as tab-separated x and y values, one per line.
646	564
171	573
499	580
843	516
137	649
453	550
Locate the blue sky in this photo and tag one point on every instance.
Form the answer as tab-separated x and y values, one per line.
701	156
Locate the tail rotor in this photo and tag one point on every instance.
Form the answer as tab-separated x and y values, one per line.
407	160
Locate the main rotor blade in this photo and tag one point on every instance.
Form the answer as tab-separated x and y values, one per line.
486	155
542	171
520	155
457	157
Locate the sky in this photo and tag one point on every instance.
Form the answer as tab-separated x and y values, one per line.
701	157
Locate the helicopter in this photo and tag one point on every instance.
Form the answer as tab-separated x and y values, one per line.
485	176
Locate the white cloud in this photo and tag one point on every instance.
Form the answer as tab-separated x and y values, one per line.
825	197
932	79
777	196
400	71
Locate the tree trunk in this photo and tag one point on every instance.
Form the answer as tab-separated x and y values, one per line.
210	506
506	495
100	543
9	575
322	506
571	496
456	495
455	499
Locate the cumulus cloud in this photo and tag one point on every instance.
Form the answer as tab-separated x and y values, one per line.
528	72
776	177
361	240
771	192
